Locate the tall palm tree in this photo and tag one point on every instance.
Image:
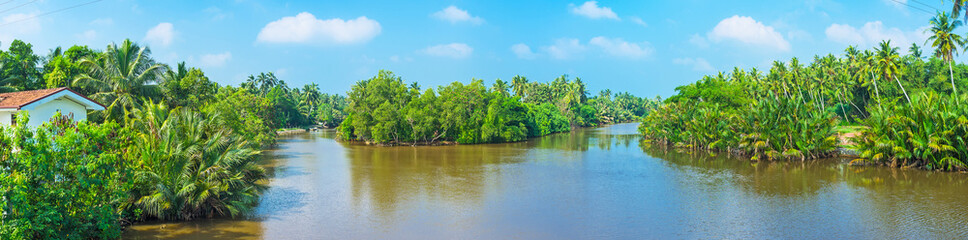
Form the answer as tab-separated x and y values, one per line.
520	85
121	77
500	86
870	65
888	64
946	42
311	94
959	6
915	50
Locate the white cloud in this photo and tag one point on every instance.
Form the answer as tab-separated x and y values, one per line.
455	15
162	34
18	25
306	28
748	31
453	50
639	21
873	33
621	48
523	51
590	9
697	64
394	58
215	60
564	48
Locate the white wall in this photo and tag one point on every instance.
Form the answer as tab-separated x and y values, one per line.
44	112
5	117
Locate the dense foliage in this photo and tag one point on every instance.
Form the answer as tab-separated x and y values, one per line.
908	107
384	110
61	180
171	145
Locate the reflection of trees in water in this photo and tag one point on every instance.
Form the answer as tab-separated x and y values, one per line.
785	178
910	201
386	177
582	140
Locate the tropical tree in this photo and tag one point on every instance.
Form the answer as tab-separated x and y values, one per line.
500	86
888	64
121	77
946	42
915	50
520	85
311	94
188	165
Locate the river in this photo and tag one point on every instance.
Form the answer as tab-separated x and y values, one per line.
597	183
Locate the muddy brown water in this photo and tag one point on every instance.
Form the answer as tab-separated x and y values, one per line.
598	183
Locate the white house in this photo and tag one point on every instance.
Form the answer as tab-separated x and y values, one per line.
42	104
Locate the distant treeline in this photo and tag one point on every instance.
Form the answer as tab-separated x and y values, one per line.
385	110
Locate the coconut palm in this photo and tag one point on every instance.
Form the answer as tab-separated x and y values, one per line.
500	86
959	6
311	94
888	64
946	42
915	50
520	85
121	77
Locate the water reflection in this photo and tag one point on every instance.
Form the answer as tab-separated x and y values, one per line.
587	184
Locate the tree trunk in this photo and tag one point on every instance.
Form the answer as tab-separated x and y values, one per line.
950	71
874	79
902	89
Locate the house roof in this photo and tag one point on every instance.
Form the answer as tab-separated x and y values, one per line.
17	100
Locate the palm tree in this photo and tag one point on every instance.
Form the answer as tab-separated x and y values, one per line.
121	77
520	85
915	50
311	94
500	86
888	64
946	42
959	6
189	165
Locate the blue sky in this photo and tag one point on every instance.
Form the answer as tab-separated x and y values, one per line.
643	47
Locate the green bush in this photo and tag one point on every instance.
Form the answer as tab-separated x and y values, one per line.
61	181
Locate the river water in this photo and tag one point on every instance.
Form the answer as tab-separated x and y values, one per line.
588	184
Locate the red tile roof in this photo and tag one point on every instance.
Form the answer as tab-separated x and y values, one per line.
19	99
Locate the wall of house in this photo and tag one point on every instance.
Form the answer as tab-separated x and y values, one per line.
5	117
44	112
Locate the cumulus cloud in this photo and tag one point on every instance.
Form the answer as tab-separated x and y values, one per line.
620	48
453	50
872	33
215	60
697	64
306	28
162	34
564	48
455	15
590	9
746	30
523	51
